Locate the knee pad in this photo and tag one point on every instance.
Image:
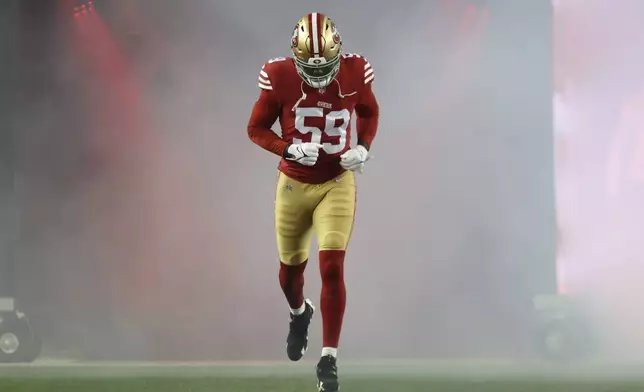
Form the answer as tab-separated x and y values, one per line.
333	240
296	257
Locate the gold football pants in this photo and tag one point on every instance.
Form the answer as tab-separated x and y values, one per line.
301	208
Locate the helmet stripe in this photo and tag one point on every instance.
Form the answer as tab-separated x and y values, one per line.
320	34
315	33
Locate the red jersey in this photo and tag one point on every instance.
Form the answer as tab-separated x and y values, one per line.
307	114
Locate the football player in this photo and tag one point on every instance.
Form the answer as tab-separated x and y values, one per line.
314	94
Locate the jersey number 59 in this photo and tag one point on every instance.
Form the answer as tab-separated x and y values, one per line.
336	124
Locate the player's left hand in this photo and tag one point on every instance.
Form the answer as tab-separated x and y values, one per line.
354	159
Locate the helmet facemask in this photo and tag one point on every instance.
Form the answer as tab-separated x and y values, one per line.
318	72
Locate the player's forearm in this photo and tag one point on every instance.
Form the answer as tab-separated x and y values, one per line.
366	127
367	113
265	112
267	139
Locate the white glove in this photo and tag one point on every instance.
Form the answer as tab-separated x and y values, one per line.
304	153
354	159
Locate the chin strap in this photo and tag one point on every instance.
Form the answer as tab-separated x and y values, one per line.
303	97
340	95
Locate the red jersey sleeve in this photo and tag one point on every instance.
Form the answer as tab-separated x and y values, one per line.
265	112
367	108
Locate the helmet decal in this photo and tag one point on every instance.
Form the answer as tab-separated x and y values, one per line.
294	37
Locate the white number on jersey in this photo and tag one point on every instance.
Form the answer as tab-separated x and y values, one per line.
330	128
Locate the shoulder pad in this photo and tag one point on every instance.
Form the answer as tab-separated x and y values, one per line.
362	66
267	73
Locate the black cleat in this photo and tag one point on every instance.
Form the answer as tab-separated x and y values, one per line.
328	374
297	341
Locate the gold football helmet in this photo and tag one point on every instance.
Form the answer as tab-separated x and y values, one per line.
316	46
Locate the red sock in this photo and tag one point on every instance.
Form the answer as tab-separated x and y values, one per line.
292	282
334	295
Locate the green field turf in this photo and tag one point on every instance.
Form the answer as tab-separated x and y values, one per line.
299	383
297	378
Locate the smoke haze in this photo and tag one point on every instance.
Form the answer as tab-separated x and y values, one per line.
147	214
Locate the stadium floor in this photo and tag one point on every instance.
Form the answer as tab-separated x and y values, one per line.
394	376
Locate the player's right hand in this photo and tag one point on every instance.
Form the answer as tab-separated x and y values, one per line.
304	153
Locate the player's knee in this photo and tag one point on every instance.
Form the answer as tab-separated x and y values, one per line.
331	272
332	266
334	240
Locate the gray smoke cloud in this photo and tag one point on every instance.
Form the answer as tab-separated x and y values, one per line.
599	124
155	240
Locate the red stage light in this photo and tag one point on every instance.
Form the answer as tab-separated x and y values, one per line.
84	9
